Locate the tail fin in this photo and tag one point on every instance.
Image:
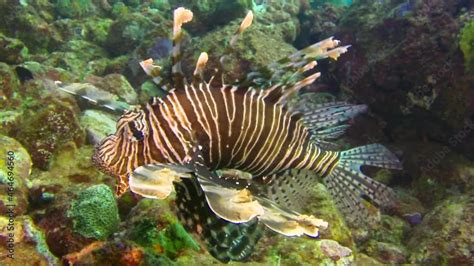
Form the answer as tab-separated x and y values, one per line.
352	189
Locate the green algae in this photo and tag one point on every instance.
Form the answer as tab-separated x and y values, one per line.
445	235
306	252
466	44
9	86
73	8
95	213
170	240
45	130
12	51
322	206
39	238
332	2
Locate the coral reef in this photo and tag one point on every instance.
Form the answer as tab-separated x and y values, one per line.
210	12
9	84
48	128
12	51
410	61
98	125
94	213
445	236
127	32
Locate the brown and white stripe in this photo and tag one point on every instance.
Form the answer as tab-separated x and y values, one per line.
235	128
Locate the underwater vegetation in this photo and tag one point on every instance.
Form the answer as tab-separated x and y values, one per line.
410	62
466	44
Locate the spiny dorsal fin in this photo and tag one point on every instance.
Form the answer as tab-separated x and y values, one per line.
180	16
198	71
328	120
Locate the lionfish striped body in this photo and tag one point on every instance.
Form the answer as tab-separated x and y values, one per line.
237	129
235	154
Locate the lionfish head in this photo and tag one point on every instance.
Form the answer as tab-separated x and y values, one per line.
118	154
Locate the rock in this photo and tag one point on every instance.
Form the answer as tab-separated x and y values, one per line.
438	172
12	51
318	3
387	253
9	120
149	89
95	213
47	129
30	25
334	250
96	30
280	19
98	125
256	47
9	84
318	23
408	207
211	14
53	191
14	178
387	241
43	73
363	260
74	9
58	228
113	252
29	246
400	66
303	251
392	230
322	206
445	235
93	30
127	32
75	168
78	57
153	225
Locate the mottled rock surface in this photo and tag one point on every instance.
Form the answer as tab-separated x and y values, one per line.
445	235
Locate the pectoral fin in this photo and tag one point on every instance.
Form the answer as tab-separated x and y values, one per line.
293	225
233	205
156	180
288	222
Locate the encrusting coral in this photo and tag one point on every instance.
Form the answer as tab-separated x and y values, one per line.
94	212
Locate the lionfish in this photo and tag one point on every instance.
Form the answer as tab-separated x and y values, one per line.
236	155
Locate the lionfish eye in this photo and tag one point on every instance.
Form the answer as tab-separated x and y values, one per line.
137	134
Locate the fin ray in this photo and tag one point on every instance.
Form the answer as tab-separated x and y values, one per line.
225	241
156	180
346	180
